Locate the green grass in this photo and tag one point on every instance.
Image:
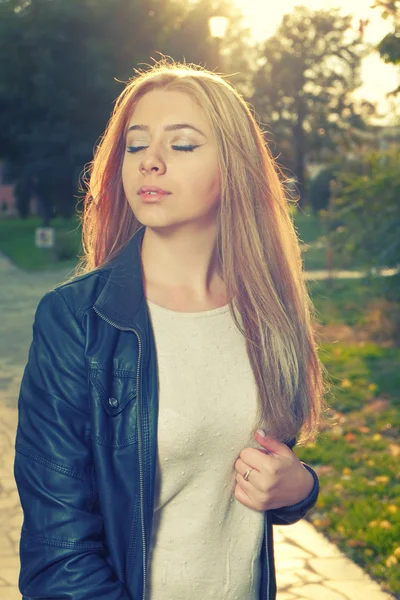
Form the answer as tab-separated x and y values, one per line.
357	458
344	300
17	241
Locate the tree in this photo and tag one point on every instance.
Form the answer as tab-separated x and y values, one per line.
389	46
51	102
62	64
366	204
320	188
303	85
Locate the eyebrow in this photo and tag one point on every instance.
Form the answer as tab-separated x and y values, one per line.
174	127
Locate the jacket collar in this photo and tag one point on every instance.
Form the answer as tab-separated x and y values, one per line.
122	300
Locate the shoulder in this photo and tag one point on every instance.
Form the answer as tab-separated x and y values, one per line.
73	297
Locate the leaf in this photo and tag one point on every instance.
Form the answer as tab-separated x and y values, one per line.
356	543
391	561
394	450
382	479
346	383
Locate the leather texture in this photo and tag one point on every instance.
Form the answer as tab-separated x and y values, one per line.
86	443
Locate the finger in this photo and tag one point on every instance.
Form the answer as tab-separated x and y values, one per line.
247	500
251	488
244	484
241	467
257	459
271	445
243	498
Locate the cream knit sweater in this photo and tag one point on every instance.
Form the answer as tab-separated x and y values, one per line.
206	544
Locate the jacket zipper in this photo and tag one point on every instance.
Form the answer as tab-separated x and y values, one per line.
140	439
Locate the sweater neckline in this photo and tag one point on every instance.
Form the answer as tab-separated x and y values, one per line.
183	314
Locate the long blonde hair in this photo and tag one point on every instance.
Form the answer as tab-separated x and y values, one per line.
257	246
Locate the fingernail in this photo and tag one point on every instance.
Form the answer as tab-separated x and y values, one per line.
261	432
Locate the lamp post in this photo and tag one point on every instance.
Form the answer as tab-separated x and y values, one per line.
218	25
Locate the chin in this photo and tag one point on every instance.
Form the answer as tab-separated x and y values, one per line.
156	218
156	221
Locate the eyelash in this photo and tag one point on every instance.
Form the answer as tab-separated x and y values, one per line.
134	149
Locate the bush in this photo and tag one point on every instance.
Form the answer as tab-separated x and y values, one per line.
367	206
65	245
320	191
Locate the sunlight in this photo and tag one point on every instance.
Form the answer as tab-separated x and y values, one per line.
263	17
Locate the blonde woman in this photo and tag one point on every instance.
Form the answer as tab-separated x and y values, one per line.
168	380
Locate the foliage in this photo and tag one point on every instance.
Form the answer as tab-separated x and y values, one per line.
368	207
62	64
389	46
344	301
320	188
308	226
303	86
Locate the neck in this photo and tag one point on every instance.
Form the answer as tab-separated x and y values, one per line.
182	262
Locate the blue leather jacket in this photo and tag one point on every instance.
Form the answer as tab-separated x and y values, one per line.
87	441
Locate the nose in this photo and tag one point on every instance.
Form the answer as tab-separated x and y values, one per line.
152	161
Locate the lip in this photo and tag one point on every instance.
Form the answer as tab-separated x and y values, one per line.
152	188
159	194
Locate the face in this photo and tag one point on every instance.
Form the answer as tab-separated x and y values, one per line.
171	152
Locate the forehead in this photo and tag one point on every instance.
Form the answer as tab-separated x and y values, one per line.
162	107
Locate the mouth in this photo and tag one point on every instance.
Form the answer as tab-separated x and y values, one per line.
152	189
152	194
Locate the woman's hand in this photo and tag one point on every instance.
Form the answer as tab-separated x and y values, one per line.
277	477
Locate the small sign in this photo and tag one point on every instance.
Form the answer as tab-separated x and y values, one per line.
45	237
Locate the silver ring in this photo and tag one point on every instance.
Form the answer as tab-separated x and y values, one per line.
246	475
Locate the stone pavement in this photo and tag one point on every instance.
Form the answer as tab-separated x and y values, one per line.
322	573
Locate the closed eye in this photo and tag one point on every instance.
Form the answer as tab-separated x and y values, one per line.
133	149
184	148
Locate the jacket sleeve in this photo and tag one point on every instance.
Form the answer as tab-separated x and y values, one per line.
62	549
287	515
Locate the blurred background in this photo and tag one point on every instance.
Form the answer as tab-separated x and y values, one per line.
324	80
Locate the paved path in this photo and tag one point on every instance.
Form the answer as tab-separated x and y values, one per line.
322	573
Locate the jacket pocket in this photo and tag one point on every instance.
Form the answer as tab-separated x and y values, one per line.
113	395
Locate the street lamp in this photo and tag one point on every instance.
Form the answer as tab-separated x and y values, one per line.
218	25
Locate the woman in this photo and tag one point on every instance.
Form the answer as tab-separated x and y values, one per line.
166	384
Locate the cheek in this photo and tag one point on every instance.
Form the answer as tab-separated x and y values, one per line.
207	182
126	172
129	178
124	176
